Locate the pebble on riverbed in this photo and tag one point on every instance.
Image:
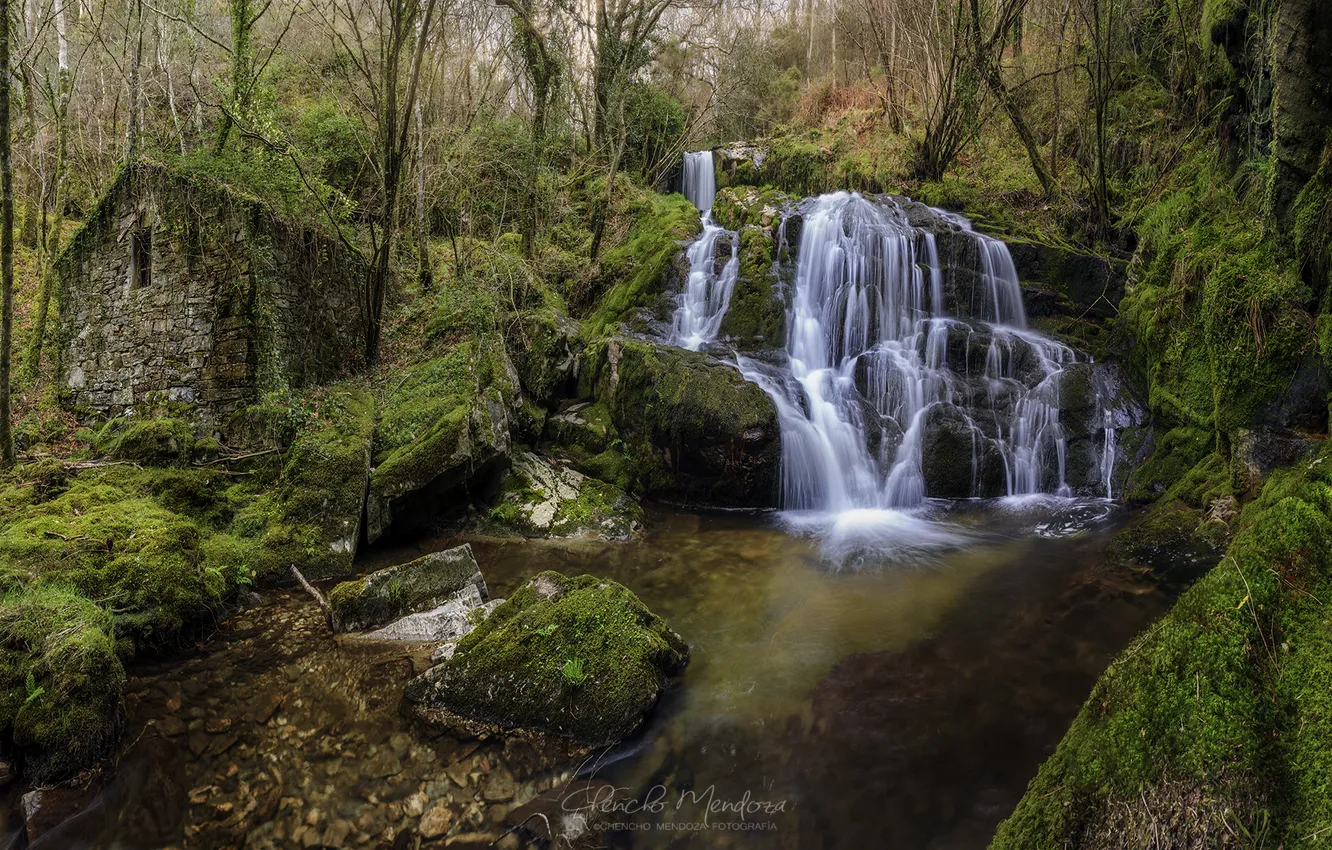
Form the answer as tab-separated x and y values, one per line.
279	736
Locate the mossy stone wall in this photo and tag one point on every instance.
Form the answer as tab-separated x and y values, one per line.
233	301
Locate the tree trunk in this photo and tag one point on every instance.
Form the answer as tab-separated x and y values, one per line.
6	244
52	242
132	127
32	212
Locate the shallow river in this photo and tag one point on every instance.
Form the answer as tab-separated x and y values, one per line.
899	704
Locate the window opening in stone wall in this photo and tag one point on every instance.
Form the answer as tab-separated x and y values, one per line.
141	258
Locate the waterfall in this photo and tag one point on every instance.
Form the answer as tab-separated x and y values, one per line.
1108	451
868	375
700	180
707	294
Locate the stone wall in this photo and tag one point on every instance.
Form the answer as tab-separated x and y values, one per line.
235	301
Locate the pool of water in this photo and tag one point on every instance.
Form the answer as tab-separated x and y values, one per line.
835	697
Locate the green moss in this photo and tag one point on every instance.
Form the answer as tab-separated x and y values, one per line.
633	275
691	428
390	593
756	317
624	652
146	441
1218	713
60	680
108	537
312	518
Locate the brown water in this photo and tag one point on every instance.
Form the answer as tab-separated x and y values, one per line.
899	705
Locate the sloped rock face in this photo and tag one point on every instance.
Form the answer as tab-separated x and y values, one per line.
578	658
388	594
444	435
540	498
695	431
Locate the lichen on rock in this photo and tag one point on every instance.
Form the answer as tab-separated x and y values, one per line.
539	497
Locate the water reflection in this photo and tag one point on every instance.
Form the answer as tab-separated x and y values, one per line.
902	703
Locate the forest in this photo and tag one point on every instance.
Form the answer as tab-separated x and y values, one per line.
665	423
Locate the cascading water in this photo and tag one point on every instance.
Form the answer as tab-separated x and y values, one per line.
707	293
868	376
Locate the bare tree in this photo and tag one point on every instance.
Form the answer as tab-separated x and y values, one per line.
386	46
6	244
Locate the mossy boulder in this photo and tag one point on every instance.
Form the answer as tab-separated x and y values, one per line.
756	317
155	442
632	284
545	346
1218	718
60	680
151	545
693	428
578	658
584	426
312	518
444	429
541	498
394	592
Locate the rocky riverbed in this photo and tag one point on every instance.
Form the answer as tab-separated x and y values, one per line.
273	733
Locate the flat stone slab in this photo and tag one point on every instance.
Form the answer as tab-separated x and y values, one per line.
417	586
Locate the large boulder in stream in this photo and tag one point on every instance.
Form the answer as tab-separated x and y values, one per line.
394	592
577	658
691	429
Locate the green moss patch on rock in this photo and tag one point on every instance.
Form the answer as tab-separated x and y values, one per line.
111	536
444	424
578	658
60	680
148	441
756	317
390	593
633	276
539	497
693	430
312	518
1217	720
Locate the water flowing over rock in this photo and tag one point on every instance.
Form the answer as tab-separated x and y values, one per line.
708	291
905	375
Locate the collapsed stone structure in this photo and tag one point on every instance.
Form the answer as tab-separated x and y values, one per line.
179	288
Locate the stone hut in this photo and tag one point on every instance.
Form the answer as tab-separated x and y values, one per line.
179	288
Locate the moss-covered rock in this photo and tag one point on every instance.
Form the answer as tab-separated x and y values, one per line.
580	658
634	277
756	317
1218	719
60	680
692	428
444	427
111	536
161	442
545	499
393	592
585	426
312	518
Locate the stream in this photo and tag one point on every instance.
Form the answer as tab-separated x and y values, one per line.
902	703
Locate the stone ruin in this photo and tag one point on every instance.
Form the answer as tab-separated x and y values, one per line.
179	288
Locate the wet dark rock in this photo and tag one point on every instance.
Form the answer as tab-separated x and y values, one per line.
1258	451
7	773
578	658
418	585
694	431
957	459
47	808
